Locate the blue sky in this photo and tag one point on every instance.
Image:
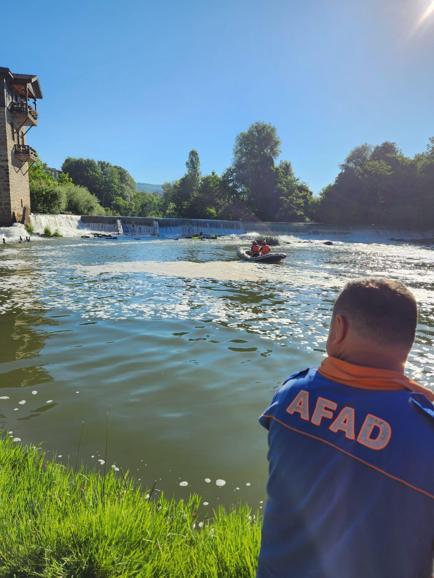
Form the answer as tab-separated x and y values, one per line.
139	83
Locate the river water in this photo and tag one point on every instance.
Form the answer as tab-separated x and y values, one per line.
157	356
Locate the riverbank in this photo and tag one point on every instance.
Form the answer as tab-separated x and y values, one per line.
55	521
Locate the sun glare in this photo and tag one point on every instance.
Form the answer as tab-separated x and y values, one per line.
429	11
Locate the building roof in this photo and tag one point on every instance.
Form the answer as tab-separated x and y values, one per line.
20	81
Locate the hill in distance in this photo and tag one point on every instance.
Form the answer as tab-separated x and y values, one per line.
148	188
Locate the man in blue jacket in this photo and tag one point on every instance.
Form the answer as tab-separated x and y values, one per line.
351	451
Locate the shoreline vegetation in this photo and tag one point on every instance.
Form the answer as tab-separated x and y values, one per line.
56	521
376	186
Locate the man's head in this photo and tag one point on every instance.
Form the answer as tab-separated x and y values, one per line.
373	323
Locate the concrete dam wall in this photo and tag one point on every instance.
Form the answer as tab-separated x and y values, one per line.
76	225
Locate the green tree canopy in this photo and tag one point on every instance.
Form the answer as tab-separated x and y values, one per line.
252	188
254	154
58	194
184	191
108	182
294	197
381	186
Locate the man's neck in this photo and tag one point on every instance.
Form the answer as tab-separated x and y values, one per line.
372	359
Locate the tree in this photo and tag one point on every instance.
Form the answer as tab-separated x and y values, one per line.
193	169
254	154
40	175
295	197
183	192
108	182
206	204
252	188
49	194
357	158
50	199
85	172
148	205
233	199
424	169
379	185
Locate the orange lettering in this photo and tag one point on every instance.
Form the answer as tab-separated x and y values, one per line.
300	405
383	430
345	422
324	408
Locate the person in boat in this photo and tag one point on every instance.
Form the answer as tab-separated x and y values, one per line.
351	482
255	249
265	248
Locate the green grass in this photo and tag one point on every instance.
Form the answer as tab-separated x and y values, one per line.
49	233
57	522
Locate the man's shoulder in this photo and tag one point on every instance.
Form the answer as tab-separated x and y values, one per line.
412	408
306	378
297	380
312	380
299	374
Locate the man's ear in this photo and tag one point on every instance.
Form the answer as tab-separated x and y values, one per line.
338	329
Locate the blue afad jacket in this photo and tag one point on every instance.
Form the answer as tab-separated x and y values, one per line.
351	482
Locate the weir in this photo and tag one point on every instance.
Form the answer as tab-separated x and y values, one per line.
75	225
173	228
167	227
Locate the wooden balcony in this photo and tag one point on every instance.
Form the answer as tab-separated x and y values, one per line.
25	153
23	114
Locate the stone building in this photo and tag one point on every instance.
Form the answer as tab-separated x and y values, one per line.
18	96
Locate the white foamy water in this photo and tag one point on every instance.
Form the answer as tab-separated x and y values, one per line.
12	234
218	270
69	225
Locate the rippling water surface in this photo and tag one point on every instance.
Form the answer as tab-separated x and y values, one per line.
158	356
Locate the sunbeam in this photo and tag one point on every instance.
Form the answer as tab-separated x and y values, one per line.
429	11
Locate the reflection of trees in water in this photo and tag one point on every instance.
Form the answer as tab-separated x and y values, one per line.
22	339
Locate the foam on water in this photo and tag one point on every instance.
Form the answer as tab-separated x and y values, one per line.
12	234
218	270
69	225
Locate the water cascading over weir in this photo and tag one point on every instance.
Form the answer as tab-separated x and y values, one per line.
76	226
173	228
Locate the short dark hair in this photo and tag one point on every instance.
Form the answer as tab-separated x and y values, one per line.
381	309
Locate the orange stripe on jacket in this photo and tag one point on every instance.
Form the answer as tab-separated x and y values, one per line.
369	377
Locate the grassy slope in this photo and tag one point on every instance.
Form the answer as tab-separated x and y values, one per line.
57	522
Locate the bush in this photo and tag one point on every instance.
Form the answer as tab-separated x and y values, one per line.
66	197
49	199
47	232
80	201
54	196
